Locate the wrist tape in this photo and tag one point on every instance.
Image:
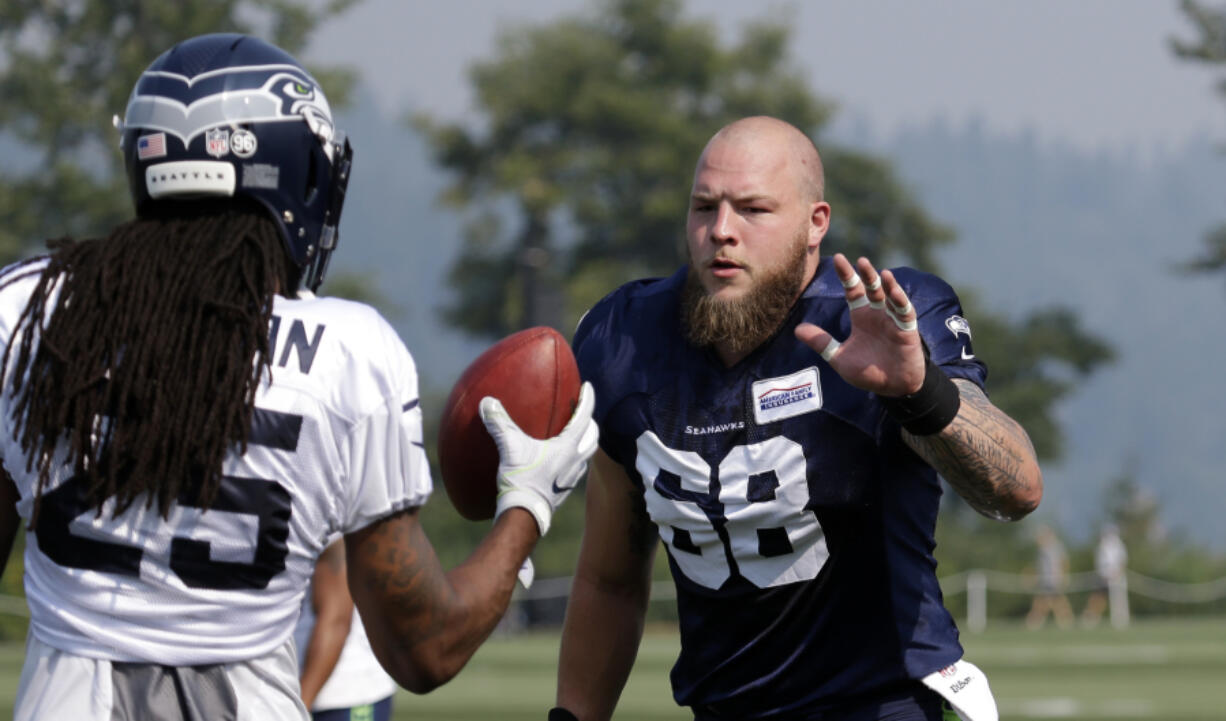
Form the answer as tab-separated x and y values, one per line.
928	410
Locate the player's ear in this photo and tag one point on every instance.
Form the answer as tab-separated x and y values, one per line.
819	223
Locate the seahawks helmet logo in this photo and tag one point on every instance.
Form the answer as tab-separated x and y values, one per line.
187	107
958	326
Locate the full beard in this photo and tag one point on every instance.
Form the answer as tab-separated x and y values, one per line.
743	324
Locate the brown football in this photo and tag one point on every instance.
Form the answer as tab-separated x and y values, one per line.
534	374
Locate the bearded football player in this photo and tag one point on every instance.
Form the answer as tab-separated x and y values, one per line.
778	420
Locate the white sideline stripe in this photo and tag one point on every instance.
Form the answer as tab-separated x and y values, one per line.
1072	708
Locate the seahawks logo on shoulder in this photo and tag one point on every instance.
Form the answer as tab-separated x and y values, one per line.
958	326
187	107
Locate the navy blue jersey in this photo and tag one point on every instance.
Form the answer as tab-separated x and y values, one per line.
798	525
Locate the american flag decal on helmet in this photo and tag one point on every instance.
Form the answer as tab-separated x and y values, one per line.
151	146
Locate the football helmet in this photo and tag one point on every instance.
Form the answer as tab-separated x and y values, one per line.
232	115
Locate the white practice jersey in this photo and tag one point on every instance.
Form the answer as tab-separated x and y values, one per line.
336	444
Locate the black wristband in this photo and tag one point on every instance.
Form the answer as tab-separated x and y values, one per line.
561	714
931	408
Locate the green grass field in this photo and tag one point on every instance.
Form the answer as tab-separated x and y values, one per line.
1170	670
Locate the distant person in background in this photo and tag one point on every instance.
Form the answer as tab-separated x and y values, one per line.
1053	583
340	677
1110	559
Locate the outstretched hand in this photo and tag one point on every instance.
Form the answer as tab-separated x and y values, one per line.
884	353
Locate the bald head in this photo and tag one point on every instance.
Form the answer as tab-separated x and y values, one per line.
754	227
775	138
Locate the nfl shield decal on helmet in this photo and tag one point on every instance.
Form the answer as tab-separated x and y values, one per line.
217	142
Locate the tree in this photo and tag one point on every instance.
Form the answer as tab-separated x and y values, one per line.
593	124
1033	364
579	174
1209	47
67	67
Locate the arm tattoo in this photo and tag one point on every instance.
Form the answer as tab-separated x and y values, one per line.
402	570
984	455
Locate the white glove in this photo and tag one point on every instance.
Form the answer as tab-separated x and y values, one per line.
537	475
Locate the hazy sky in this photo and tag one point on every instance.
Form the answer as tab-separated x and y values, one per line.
1096	73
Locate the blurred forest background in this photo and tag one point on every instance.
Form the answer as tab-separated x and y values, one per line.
574	178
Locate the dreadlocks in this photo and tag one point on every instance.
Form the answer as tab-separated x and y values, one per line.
148	363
